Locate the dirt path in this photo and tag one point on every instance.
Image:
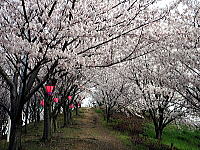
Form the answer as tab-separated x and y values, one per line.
89	134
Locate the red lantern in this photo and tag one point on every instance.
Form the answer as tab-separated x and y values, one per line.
42	103
69	97
49	89
55	100
71	106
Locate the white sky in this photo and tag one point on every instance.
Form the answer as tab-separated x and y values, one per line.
86	102
163	3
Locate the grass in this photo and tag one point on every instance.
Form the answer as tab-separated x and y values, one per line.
99	111
32	140
3	144
124	137
183	138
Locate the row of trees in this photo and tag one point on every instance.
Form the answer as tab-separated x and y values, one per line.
165	82
59	42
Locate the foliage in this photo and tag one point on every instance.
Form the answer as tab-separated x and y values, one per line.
132	125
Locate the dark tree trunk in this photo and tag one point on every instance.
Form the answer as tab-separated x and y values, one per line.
47	120
26	117
76	110
65	116
158	124
159	132
104	114
15	135
70	114
35	113
54	124
1	125
54	119
108	117
108	114
38	115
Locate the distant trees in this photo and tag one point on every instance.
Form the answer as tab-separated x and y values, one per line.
110	99
109	90
68	89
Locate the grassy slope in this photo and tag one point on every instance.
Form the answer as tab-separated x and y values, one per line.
184	138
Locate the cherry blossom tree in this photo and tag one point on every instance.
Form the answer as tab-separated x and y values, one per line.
164	104
180	55
109	90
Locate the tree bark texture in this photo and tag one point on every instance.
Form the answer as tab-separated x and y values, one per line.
65	115
15	135
159	132
47	120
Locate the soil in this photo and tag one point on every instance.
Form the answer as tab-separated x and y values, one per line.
92	135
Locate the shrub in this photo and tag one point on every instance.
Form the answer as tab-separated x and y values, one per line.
133	125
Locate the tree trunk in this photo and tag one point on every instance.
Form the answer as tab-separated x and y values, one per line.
65	116
54	119
158	133
108	114
15	135
108	117
54	124
38	115
76	110
34	111
47	121
70	114
1	130
35	115
26	117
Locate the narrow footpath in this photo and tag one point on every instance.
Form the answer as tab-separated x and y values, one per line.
87	133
